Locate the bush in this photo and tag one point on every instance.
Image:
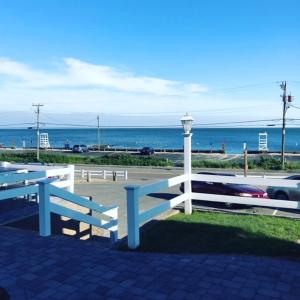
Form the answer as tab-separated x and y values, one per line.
265	163
119	159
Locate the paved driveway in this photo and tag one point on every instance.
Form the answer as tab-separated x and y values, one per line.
108	192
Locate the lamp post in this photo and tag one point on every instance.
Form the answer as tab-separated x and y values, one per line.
187	122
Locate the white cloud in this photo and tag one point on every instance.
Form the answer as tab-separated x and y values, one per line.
75	87
74	73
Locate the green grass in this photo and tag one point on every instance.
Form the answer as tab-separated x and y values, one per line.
207	232
109	159
262	163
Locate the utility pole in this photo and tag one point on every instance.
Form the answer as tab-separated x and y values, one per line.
38	129
286	100
245	159
98	132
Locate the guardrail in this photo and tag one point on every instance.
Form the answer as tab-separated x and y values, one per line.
135	218
109	215
104	174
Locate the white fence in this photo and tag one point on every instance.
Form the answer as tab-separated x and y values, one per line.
46	188
64	174
104	174
135	218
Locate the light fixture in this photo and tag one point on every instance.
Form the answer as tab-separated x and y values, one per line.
187	122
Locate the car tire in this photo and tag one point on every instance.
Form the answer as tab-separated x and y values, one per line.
281	196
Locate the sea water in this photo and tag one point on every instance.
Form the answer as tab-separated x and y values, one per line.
165	138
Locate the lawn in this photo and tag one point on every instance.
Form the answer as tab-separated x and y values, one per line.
208	232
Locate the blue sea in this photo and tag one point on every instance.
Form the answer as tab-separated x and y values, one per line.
165	138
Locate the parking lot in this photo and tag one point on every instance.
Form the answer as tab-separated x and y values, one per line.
108	192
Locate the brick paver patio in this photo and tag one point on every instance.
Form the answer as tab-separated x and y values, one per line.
56	267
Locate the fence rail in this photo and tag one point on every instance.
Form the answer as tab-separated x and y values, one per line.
247	180
109	215
104	174
135	218
65	173
27	183
14	177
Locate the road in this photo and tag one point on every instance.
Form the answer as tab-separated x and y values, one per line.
108	192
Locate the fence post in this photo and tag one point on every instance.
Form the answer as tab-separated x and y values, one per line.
70	177
114	229
133	224
104	174
82	174
88	176
126	175
44	208
188	171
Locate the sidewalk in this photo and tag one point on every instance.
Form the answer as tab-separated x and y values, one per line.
56	267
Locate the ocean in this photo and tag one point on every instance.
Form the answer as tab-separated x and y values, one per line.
165	138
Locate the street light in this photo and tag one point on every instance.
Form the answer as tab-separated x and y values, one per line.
187	122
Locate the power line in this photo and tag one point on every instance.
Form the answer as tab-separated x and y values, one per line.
294	106
193	111
168	125
237	122
245	86
16	124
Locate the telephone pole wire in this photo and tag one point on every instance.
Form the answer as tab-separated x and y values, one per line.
38	129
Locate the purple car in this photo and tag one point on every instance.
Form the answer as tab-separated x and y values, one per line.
229	189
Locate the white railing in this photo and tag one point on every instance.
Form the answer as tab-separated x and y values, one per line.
104	174
108	215
16	184
65	174
24	184
135	218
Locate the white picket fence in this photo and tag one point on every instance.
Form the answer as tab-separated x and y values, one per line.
135	218
103	174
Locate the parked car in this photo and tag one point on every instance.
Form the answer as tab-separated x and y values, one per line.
285	193
80	148
147	151
229	189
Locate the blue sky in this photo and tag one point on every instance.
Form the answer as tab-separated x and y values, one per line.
140	57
